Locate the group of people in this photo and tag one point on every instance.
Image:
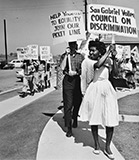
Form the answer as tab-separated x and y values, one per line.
123	73
128	69
36	76
87	91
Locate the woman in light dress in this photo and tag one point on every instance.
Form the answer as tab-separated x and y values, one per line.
99	105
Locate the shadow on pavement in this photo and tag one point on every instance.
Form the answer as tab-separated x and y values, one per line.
49	114
82	134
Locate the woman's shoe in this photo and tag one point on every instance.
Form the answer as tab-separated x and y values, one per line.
110	156
96	151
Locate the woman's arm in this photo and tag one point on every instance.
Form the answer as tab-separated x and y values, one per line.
108	63
102	60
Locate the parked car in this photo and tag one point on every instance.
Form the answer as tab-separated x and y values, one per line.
17	63
20	74
9	66
2	64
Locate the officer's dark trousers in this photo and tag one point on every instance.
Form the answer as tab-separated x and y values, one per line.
72	98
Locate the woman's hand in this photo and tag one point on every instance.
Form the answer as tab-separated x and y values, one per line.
72	73
112	48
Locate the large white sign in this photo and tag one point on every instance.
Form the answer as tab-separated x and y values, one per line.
106	19
67	26
44	52
22	53
32	52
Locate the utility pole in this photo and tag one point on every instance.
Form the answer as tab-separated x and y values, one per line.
85	4
5	39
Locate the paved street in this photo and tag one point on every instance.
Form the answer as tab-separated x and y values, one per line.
22	122
8	80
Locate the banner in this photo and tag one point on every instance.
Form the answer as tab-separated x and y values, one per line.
67	26
106	19
45	52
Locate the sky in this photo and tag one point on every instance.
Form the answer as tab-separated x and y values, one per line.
27	21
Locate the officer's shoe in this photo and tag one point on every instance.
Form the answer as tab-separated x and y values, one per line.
75	123
69	133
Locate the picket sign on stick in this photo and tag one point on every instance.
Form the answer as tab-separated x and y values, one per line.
108	19
67	26
69	61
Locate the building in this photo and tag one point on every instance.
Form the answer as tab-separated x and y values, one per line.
121	40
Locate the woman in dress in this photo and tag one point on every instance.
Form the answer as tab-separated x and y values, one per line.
99	105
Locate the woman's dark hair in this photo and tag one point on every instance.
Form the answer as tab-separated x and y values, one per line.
100	46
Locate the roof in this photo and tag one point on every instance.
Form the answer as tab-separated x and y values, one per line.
122	39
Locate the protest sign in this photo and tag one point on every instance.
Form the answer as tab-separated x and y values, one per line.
67	26
123	51
119	49
44	52
126	52
20	53
32	52
106	19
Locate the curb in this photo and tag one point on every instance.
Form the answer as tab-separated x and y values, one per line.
10	90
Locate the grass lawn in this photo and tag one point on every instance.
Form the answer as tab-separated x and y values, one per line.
129	105
126	135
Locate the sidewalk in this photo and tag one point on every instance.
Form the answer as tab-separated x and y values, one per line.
14	103
53	144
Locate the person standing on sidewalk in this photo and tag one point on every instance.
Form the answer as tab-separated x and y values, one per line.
41	73
99	105
72	97
28	78
48	75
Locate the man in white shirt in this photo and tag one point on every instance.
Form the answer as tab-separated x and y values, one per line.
87	71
